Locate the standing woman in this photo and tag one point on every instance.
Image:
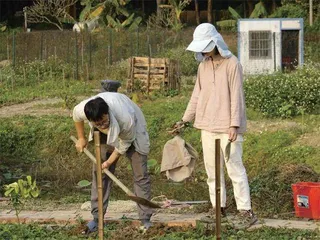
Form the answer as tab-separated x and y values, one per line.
217	107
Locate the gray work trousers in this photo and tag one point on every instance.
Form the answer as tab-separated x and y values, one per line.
142	184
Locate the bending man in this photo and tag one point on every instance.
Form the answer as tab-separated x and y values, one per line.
123	131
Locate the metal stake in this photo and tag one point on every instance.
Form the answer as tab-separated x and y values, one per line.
218	189
99	182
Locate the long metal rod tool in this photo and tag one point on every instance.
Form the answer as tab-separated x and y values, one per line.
130	194
218	189
96	136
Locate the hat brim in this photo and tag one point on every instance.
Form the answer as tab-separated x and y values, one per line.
209	48
198	46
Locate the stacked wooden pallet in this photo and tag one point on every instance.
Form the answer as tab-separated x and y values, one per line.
153	74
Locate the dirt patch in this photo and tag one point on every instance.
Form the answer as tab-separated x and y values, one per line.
115	206
310	139
27	109
270	126
126	231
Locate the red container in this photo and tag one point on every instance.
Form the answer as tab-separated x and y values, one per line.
307	199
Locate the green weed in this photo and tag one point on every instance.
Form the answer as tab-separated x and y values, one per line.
20	191
285	95
41	146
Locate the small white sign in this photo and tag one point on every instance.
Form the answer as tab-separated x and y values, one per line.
303	201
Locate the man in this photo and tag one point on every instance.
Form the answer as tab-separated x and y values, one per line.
124	131
217	106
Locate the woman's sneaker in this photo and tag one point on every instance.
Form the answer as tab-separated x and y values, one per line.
244	219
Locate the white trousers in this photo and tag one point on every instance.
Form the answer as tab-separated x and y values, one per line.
234	165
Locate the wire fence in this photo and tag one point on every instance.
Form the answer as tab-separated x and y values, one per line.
85	49
94	52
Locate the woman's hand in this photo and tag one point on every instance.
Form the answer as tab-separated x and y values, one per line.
233	133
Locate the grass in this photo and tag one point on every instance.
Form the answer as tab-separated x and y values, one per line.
126	231
277	153
41	147
46	89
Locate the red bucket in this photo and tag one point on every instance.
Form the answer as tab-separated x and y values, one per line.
306	197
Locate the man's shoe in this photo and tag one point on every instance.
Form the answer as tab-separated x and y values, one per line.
211	217
145	225
91	227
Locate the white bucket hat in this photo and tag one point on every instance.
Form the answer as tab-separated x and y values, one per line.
206	38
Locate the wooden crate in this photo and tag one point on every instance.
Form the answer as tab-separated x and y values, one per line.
153	74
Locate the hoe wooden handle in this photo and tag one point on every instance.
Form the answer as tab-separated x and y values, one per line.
106	171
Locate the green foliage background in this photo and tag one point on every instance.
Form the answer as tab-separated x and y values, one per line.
40	146
285	95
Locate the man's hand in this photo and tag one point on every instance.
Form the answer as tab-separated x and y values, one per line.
233	133
81	144
106	164
112	159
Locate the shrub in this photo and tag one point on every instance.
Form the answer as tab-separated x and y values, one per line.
271	190
315	28
188	64
285	95
290	11
118	71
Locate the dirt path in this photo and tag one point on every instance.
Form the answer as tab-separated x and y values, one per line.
30	108
39	108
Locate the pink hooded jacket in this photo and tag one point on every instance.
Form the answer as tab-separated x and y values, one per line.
218	101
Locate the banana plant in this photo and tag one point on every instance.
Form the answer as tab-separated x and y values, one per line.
109	12
178	7
258	11
90	10
131	22
3	27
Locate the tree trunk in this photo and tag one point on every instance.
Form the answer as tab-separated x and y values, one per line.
142	6
158	8
250	7
196	4
244	9
274	5
0	11
209	10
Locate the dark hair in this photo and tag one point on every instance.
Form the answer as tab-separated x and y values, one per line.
216	51
95	109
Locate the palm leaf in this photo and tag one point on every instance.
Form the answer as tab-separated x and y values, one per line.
111	21
227	23
97	11
124	2
113	3
3	28
85	13
123	11
128	21
258	11
234	13
136	23
239	10
68	19
85	2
